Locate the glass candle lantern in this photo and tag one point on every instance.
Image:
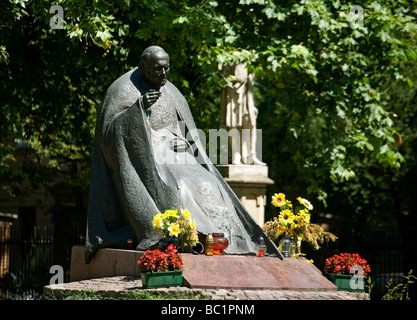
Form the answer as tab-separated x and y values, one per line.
220	243
260	247
209	245
285	245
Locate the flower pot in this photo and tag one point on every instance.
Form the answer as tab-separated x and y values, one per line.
345	282
161	279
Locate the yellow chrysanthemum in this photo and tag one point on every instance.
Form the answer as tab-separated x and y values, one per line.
174	230
278	199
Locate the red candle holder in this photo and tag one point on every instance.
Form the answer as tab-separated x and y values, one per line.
220	243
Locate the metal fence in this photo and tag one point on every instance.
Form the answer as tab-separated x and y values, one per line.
383	248
25	260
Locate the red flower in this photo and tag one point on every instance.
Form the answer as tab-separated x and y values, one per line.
346	263
156	260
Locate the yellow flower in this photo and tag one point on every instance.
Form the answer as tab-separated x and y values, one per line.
186	214
278	199
305	203
192	225
286	216
157	223
157	220
295	223
171	213
281	230
174	230
304	215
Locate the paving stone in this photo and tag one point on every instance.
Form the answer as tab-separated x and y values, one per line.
251	294
221	292
238	295
112	287
197	291
278	295
216	297
265	295
182	289
209	295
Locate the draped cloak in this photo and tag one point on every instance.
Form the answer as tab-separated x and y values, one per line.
136	173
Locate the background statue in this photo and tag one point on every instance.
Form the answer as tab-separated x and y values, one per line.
147	158
238	111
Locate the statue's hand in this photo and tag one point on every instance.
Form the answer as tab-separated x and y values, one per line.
150	98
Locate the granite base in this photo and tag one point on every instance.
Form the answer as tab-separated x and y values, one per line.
200	271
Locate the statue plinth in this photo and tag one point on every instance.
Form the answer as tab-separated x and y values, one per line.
249	183
201	271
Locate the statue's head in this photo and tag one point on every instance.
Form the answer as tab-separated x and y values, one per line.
154	65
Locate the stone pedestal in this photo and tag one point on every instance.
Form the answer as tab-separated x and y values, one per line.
201	271
106	263
249	182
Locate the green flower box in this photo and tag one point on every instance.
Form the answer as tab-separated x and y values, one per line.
343	282
161	279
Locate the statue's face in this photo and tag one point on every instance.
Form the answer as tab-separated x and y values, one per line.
156	69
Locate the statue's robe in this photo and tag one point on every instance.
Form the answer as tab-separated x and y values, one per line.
136	173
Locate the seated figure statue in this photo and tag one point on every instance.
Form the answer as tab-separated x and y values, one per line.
144	126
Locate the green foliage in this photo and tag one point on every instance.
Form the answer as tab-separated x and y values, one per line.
401	290
330	97
369	285
127	295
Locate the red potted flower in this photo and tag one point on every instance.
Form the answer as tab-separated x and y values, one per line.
347	271
161	269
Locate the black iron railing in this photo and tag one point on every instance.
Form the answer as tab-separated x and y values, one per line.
25	261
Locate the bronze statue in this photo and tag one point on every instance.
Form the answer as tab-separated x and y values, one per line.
148	158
